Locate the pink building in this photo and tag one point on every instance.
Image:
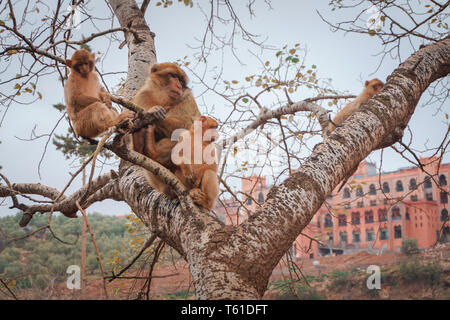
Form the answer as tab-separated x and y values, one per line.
372	212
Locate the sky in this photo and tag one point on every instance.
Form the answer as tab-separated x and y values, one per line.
344	58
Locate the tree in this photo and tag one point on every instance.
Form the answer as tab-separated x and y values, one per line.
230	261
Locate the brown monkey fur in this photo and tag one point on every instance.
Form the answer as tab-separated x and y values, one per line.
166	88
372	87
201	179
88	103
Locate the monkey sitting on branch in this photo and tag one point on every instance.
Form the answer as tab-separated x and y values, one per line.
88	103
166	87
195	155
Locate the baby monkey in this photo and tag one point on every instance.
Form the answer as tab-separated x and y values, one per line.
88	103
198	163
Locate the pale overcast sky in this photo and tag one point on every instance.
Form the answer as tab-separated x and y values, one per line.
343	58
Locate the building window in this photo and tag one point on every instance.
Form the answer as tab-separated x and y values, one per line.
330	237
368	216
407	215
346	193
293	250
360	204
397	232
347	206
444	215
343	237
318	222
386	187
248	202
373	203
412	184
359	191
385	201
382	215
370	235
444	197
355	218
442	180
414	197
429	196
372	189
356	237
260	197
328	221
399	186
427	183
311	255
342	220
384	234
396	213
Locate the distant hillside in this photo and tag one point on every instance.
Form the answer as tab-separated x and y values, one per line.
40	260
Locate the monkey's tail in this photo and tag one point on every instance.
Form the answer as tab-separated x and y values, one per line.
105	137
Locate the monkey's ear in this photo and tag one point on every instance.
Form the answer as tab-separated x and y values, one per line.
154	68
203	119
93	56
69	63
367	83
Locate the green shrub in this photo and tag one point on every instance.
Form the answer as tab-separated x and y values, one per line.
409	246
340	280
431	273
41	281
294	290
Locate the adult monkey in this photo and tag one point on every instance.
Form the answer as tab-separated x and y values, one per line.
165	88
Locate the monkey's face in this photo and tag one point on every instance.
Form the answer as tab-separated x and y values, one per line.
84	67
374	86
174	86
82	62
171	77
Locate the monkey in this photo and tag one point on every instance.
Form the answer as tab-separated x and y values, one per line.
198	166
372	87
88	103
166	87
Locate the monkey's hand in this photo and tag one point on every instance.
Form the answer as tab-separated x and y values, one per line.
106	98
158	112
